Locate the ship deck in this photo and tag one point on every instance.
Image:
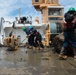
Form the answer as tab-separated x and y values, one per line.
34	62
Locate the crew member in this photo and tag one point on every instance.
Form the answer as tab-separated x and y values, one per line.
69	28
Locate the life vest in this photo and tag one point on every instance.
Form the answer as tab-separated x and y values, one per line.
68	25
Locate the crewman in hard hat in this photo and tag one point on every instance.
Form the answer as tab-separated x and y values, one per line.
69	28
30	33
32	36
35	38
27	30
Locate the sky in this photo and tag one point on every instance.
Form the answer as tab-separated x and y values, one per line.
9	8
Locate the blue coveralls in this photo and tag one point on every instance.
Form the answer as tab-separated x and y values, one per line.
69	36
69	39
28	33
32	36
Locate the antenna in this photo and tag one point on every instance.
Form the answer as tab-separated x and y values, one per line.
30	18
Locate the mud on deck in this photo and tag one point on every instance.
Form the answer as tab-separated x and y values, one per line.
34	62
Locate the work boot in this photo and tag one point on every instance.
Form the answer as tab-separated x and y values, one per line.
41	48
62	57
37	48
30	47
74	51
27	46
34	48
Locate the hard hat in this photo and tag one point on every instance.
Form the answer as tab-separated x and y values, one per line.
35	31
30	27
23	28
71	9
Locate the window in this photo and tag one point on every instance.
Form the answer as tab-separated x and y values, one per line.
50	1
54	11
36	0
55	18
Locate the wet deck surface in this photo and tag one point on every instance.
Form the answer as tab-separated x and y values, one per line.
32	62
